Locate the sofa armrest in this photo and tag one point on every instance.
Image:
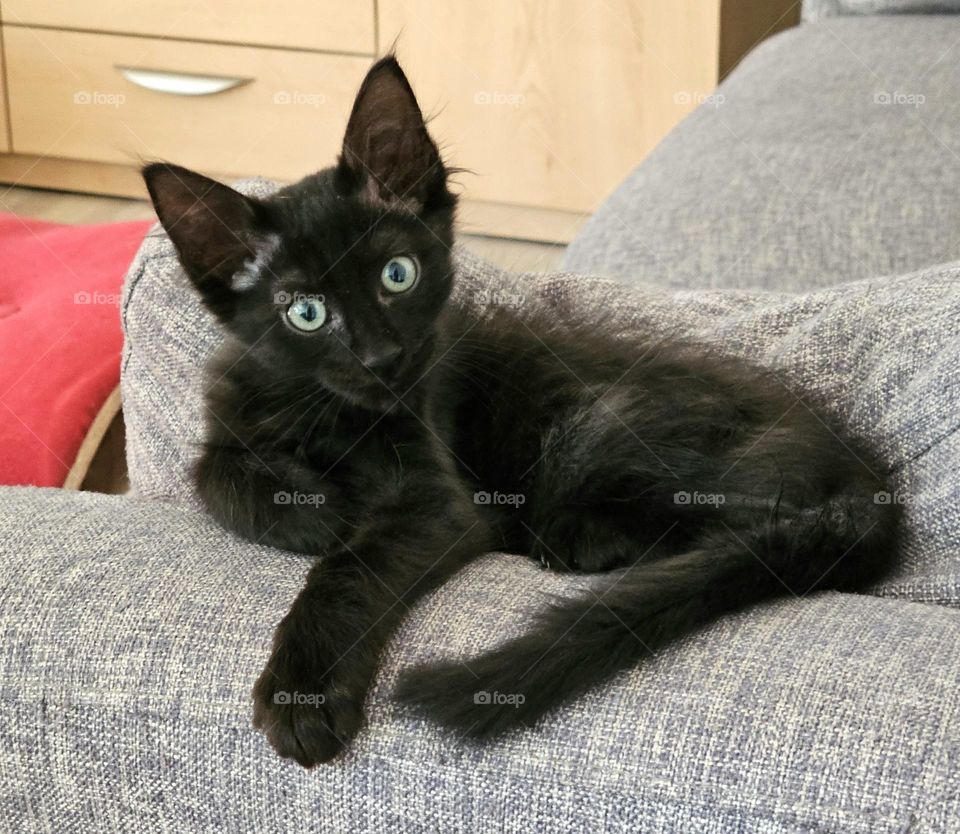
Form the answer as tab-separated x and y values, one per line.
132	632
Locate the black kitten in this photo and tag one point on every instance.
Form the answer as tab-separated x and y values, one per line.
355	412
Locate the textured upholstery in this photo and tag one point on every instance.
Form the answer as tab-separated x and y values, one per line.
832	153
829	714
131	632
132	628
816	9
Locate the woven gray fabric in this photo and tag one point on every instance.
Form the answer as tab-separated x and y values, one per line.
881	355
814	10
132	632
168	337
829	154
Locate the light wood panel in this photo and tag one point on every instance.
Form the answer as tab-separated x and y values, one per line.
340	25
68	100
485	217
475	217
71	175
552	102
58	207
61	206
98	460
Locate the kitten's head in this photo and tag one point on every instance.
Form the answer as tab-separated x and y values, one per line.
337	280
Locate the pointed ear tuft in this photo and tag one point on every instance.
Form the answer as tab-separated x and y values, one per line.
388	154
217	231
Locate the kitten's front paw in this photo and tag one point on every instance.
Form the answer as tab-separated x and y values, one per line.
301	710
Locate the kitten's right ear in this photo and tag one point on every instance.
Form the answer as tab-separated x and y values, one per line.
218	232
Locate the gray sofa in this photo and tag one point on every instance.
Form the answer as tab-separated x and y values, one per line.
806	222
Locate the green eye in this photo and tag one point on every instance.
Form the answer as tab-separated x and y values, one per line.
307	314
400	274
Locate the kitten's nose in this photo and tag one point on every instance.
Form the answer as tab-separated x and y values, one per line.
381	356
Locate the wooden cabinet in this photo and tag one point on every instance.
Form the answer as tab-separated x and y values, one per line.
548	103
334	25
551	103
108	98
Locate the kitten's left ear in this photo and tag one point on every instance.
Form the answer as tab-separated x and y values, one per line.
387	153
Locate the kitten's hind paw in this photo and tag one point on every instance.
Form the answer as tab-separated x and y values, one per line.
464	698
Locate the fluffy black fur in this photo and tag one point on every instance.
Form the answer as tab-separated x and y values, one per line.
401	407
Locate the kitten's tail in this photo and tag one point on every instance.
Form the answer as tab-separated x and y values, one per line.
580	642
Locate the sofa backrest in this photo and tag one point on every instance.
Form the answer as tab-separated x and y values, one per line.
816	9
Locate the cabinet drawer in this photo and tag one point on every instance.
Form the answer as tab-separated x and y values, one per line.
69	97
308	24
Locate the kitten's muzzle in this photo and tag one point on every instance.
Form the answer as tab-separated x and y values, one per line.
381	358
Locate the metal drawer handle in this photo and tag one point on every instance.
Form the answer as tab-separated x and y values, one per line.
180	83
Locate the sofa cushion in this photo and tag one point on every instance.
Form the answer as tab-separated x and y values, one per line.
60	339
131	633
817	9
880	355
830	154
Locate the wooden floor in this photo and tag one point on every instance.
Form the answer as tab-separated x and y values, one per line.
62	207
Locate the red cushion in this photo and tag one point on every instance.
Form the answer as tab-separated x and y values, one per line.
60	339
